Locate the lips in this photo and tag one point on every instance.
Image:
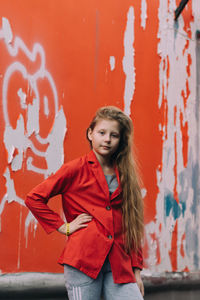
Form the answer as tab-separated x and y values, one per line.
106	147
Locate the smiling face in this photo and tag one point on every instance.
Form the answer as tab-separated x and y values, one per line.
105	138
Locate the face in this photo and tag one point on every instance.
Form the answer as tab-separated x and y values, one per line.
105	137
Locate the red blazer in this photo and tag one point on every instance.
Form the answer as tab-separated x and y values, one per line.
84	189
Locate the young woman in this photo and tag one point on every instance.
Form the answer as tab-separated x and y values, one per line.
103	207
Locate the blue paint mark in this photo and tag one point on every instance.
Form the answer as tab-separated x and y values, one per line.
176	28
183	204
171	206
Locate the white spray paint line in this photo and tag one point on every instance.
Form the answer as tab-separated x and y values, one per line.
33	117
46	106
17	138
6	31
30	223
170	47
128	61
143	13
22	97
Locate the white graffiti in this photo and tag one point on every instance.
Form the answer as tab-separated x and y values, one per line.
112	63
18	139
128	61
143	13
177	76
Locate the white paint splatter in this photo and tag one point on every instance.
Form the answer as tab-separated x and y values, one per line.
128	61
11	195
144	192
22	97
33	118
143	13
17	139
14	139
46	106
174	49
55	140
112	63
7	31
33	109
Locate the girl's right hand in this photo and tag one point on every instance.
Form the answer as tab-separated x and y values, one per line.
76	224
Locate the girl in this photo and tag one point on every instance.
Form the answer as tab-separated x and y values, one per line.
103	207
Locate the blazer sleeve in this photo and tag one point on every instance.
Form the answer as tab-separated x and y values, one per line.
137	259
38	198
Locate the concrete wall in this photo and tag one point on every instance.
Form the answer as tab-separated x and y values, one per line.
59	62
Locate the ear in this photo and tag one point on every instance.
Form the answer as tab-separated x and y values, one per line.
89	134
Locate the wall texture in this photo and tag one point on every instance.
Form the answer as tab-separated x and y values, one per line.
59	62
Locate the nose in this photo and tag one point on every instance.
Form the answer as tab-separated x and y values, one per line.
107	138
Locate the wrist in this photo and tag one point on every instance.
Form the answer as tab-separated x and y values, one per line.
136	270
67	229
61	229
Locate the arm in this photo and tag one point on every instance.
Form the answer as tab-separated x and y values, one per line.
139	280
137	259
38	198
137	264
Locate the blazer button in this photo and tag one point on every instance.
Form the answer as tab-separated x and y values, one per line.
110	236
108	207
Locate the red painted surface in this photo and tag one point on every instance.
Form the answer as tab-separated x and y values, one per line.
78	40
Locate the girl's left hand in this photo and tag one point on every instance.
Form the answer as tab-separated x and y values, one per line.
139	280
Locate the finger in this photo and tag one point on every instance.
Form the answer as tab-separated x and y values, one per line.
86	219
81	226
84	214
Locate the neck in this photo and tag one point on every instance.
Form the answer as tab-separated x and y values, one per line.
105	161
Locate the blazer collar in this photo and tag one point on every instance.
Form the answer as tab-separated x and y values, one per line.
100	177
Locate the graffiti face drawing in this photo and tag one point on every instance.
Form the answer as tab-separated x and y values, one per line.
35	124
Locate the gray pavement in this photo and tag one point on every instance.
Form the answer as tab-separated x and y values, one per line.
166	295
41	286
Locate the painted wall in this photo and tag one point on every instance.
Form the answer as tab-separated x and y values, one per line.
59	62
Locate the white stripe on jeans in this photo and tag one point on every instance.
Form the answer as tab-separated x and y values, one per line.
74	293
80	297
77	293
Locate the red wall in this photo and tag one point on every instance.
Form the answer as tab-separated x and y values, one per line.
77	40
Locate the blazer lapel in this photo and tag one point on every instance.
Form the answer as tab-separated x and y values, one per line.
98	173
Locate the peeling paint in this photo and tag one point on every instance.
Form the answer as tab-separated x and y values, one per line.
112	63
177	181
34	123
10	196
128	61
6	31
143	13
18	139
46	106
22	97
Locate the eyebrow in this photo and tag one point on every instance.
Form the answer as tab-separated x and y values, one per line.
112	131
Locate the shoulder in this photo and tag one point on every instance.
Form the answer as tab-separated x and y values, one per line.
75	165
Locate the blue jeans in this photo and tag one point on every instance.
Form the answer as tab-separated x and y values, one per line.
82	287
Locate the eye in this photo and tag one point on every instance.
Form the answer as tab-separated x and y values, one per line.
115	135
101	132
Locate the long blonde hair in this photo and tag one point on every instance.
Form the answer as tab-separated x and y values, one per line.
132	205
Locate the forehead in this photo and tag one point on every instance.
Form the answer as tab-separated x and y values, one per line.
107	124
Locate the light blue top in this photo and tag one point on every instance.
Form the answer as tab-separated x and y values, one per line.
112	182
